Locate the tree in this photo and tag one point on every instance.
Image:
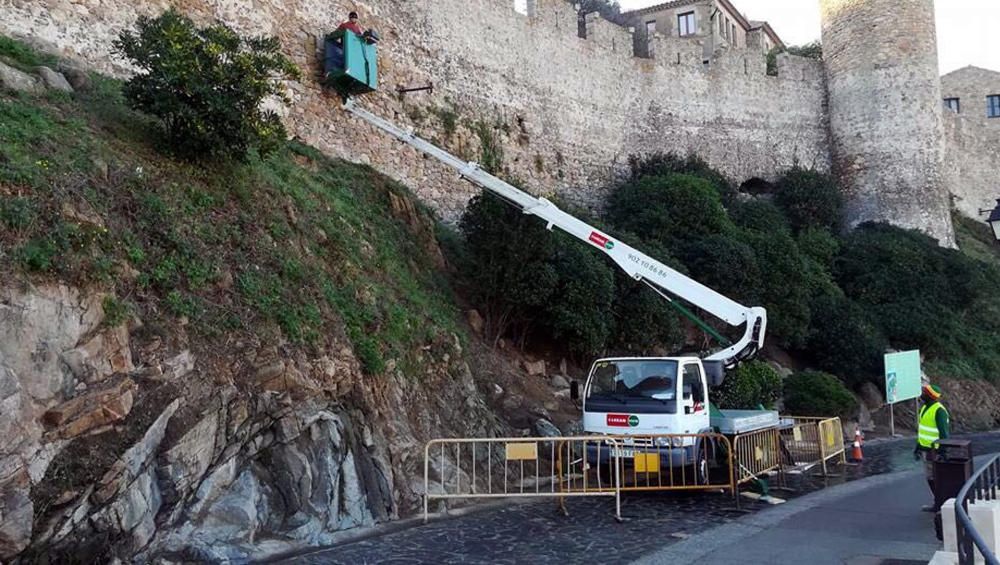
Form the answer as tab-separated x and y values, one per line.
809	199
207	86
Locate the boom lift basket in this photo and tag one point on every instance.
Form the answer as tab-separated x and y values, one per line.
350	62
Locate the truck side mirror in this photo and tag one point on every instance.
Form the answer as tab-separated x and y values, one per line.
574	390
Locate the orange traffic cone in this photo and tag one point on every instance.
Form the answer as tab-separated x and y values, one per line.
857	454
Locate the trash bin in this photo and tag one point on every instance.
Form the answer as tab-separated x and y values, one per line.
952	469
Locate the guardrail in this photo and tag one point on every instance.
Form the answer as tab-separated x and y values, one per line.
756	453
982	486
555	467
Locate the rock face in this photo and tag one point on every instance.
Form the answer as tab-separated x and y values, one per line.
122	447
53	80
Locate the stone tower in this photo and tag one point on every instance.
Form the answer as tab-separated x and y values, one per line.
885	104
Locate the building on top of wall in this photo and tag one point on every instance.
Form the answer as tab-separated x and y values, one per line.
717	23
974	93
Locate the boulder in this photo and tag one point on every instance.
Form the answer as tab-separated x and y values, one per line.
78	78
560	382
545	428
535	368
476	321
18	81
871	396
53	80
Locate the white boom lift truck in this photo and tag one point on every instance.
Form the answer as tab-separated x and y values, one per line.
636	396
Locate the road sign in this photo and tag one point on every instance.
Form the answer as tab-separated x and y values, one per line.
902	376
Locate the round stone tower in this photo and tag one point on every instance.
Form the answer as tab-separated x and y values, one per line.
886	126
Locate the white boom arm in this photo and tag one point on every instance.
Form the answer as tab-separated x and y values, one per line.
638	265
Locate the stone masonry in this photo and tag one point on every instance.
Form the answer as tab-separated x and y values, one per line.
569	111
885	112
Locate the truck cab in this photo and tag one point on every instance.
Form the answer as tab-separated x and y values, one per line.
644	396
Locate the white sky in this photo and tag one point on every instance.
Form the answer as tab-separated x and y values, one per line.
968	30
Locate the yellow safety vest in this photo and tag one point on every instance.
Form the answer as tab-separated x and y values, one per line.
927	430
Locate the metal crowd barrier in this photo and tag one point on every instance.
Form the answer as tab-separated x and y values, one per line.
757	453
669	462
555	467
831	435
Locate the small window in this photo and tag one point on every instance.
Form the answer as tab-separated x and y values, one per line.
685	24
735	42
952	104
993	106
692	387
727	28
722	26
650	28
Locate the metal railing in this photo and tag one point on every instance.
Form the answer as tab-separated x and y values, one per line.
982	486
756	454
800	439
554	467
831	444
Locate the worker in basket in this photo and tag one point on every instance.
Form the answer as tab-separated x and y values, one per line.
335	47
933	425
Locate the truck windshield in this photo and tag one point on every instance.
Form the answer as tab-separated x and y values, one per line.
654	379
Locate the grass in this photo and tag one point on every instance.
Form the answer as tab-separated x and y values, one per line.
297	246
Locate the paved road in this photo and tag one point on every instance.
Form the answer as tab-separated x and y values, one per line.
536	533
868	522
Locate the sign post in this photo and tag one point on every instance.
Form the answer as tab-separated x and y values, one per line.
902	380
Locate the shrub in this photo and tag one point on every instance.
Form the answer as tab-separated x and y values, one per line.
670	208
809	199
659	164
783	285
843	340
579	310
751	384
814	393
506	265
760	215
207	85
726	265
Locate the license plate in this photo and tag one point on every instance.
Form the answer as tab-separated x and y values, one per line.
622	453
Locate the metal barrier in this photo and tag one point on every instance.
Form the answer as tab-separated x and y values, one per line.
757	453
555	467
982	486
831	436
674	462
800	441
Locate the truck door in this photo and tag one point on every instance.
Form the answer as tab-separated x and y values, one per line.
694	399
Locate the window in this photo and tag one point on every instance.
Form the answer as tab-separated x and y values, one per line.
735	42
650	28
727	28
693	391
685	24
722	26
993	106
952	104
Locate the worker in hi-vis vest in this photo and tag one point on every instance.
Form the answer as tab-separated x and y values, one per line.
932	426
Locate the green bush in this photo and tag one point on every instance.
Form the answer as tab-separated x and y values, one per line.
673	209
809	199
751	384
814	393
579	311
760	215
206	85
843	340
659	164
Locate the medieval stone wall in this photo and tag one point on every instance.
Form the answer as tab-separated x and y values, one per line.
567	111
885	112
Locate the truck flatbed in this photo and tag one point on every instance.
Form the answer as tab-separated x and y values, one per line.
733	422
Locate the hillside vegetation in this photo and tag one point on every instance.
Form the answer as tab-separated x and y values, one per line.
295	246
837	301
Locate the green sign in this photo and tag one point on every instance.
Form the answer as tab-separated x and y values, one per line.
902	376
633	420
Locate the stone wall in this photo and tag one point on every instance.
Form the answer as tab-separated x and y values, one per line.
972	152
885	112
971	85
568	111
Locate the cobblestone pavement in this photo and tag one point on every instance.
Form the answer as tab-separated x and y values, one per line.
537	533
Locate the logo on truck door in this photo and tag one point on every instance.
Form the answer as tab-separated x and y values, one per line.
601	241
622	420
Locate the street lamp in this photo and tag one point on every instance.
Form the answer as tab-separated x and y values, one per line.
994	219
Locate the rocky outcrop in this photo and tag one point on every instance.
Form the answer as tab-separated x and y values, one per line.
128	443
